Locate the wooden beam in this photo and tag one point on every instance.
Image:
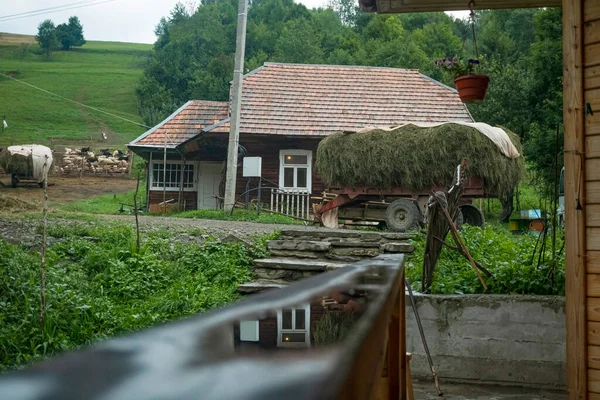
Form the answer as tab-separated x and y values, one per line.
593	289
594	357
410	6
592	77
593	262
594	380
575	232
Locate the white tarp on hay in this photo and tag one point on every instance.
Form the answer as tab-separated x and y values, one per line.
41	158
496	135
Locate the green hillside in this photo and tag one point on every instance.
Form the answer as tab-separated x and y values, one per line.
99	74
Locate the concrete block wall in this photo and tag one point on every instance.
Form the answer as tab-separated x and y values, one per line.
505	340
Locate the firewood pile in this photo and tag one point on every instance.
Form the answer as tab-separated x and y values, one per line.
104	161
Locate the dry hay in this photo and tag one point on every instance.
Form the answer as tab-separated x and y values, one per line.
16	163
14	204
417	159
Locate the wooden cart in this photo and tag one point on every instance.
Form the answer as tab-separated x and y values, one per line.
399	209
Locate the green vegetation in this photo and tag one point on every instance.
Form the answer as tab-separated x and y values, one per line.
111	204
99	74
108	203
99	286
417	158
513	260
239	215
333	327
70	34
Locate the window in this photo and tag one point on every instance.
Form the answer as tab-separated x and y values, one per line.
293	327
249	331
295	169
173	175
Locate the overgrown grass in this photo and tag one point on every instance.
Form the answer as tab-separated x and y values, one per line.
99	285
107	204
509	257
239	215
99	74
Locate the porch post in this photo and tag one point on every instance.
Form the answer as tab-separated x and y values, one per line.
236	100
575	232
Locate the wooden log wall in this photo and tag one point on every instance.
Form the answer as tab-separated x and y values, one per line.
591	117
268	148
581	59
190	198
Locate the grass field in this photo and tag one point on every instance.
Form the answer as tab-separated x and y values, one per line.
99	74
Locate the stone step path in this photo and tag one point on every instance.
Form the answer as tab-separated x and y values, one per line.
299	254
291	269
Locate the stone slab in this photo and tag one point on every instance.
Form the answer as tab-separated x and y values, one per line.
397	247
374	245
287	275
259	286
293	264
356	252
300	245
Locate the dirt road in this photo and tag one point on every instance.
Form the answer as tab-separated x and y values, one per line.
26	231
62	190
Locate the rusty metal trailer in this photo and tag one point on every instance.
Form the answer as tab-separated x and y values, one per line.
398	208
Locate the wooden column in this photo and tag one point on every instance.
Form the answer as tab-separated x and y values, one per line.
575	232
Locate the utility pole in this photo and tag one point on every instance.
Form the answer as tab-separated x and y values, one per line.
236	105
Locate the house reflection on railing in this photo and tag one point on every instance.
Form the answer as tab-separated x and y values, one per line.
337	335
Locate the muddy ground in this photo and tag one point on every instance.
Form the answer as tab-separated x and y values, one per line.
63	190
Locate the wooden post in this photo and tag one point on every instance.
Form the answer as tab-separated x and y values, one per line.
236	107
181	183
402	334
164	204
575	232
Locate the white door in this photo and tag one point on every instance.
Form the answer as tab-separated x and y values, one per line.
208	185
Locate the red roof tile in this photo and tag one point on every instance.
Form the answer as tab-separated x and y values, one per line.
184	123
297	99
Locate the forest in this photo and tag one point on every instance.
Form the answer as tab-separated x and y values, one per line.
521	51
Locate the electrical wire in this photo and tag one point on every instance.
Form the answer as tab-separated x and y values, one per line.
46	9
49	10
73	101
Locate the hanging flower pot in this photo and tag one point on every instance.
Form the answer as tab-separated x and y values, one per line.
472	88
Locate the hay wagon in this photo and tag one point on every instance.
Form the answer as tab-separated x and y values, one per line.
387	175
26	163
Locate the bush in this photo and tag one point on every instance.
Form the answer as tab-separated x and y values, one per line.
509	257
98	285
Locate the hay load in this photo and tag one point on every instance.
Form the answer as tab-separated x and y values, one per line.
16	164
27	161
419	158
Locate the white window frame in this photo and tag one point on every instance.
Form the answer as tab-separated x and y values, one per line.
306	331
174	189
308	165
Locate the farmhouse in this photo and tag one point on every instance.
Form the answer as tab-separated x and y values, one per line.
287	109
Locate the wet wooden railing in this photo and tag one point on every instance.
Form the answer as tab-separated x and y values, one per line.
202	357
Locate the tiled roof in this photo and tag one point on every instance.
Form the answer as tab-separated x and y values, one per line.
184	123
298	99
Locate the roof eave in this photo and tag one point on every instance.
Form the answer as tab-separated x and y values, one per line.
170	117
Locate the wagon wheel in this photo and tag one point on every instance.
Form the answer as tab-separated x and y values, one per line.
472	215
14	180
402	215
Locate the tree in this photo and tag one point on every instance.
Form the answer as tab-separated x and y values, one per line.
46	36
70	34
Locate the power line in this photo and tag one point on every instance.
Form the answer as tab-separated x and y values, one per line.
73	101
53	10
47	9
